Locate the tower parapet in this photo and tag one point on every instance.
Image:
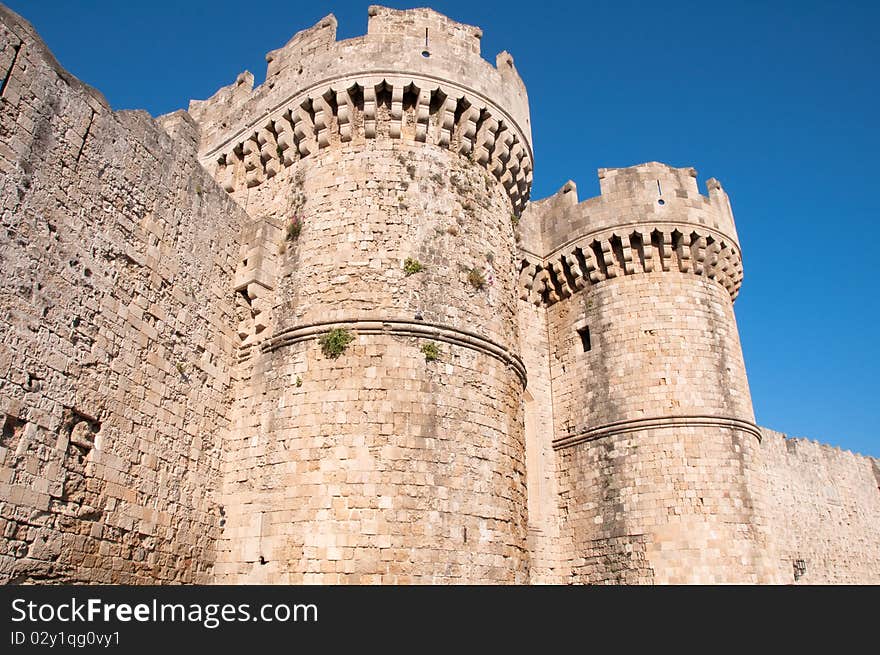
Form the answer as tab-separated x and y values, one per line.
416	75
648	218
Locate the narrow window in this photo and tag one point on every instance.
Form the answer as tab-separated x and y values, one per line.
584	334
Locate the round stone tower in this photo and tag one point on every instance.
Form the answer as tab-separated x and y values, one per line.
654	428
377	434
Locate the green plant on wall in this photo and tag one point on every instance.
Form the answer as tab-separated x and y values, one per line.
431	351
294	228
476	278
334	343
412	266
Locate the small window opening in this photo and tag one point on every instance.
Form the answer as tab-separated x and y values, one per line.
584	334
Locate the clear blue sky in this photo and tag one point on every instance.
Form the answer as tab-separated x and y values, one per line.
778	100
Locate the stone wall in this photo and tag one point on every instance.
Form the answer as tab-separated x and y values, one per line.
653	433
376	467
547	546
825	516
117	329
660	344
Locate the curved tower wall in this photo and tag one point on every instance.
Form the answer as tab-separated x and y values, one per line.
655	438
376	465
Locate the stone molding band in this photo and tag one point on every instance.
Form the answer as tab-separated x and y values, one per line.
402	328
657	422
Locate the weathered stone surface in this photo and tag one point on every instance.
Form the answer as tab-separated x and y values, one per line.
117	250
825	504
315	332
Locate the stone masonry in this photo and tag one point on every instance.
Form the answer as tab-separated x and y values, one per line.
317	332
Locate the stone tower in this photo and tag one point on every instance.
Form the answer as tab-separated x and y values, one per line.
654	433
381	463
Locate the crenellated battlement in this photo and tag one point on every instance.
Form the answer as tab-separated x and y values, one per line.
648	218
416	75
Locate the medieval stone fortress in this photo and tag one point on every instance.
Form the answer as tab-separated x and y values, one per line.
317	331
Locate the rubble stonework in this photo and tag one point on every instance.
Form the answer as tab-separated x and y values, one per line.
317	332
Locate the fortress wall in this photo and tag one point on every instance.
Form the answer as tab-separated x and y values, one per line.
548	554
530	228
649	219
369	205
661	344
661	506
116	249
167	413
413	108
380	466
825	516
